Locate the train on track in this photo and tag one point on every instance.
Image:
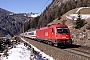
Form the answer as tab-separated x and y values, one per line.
56	34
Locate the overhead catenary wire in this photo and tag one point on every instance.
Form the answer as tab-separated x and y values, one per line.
44	6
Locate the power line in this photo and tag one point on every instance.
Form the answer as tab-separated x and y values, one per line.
43	6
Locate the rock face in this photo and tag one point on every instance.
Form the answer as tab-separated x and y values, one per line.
81	37
1	34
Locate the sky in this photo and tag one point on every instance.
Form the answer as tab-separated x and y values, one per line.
24	6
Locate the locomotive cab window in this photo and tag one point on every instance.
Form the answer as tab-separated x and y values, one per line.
31	33
52	30
62	30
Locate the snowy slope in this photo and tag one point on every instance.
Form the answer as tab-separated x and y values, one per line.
21	52
75	16
44	56
84	15
34	15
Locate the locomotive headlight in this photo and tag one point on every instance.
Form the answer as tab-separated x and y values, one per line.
64	37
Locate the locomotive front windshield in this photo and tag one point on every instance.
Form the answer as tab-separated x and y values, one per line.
62	30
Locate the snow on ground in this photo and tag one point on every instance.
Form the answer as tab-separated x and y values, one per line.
44	56
75	16
8	35
21	52
34	15
81	8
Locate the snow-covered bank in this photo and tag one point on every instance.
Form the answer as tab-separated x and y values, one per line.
75	16
84	13
20	52
81	9
43	55
24	51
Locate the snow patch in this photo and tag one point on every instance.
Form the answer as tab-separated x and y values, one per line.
34	15
75	16
44	56
8	35
20	52
81	8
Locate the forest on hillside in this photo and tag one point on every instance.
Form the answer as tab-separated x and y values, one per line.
17	23
11	23
55	10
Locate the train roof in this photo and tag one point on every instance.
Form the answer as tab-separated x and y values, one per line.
59	25
44	28
54	25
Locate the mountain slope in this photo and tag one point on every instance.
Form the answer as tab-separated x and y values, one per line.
72	15
11	22
2	34
5	12
57	8
79	36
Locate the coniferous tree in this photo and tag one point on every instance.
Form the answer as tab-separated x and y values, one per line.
79	22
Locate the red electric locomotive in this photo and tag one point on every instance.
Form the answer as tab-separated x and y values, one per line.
56	34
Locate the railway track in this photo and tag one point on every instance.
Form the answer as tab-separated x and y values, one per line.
79	52
69	53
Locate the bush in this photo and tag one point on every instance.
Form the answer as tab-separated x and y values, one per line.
88	27
63	22
79	22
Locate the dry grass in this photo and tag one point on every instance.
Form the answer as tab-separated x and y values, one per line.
71	22
79	36
5	52
85	11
